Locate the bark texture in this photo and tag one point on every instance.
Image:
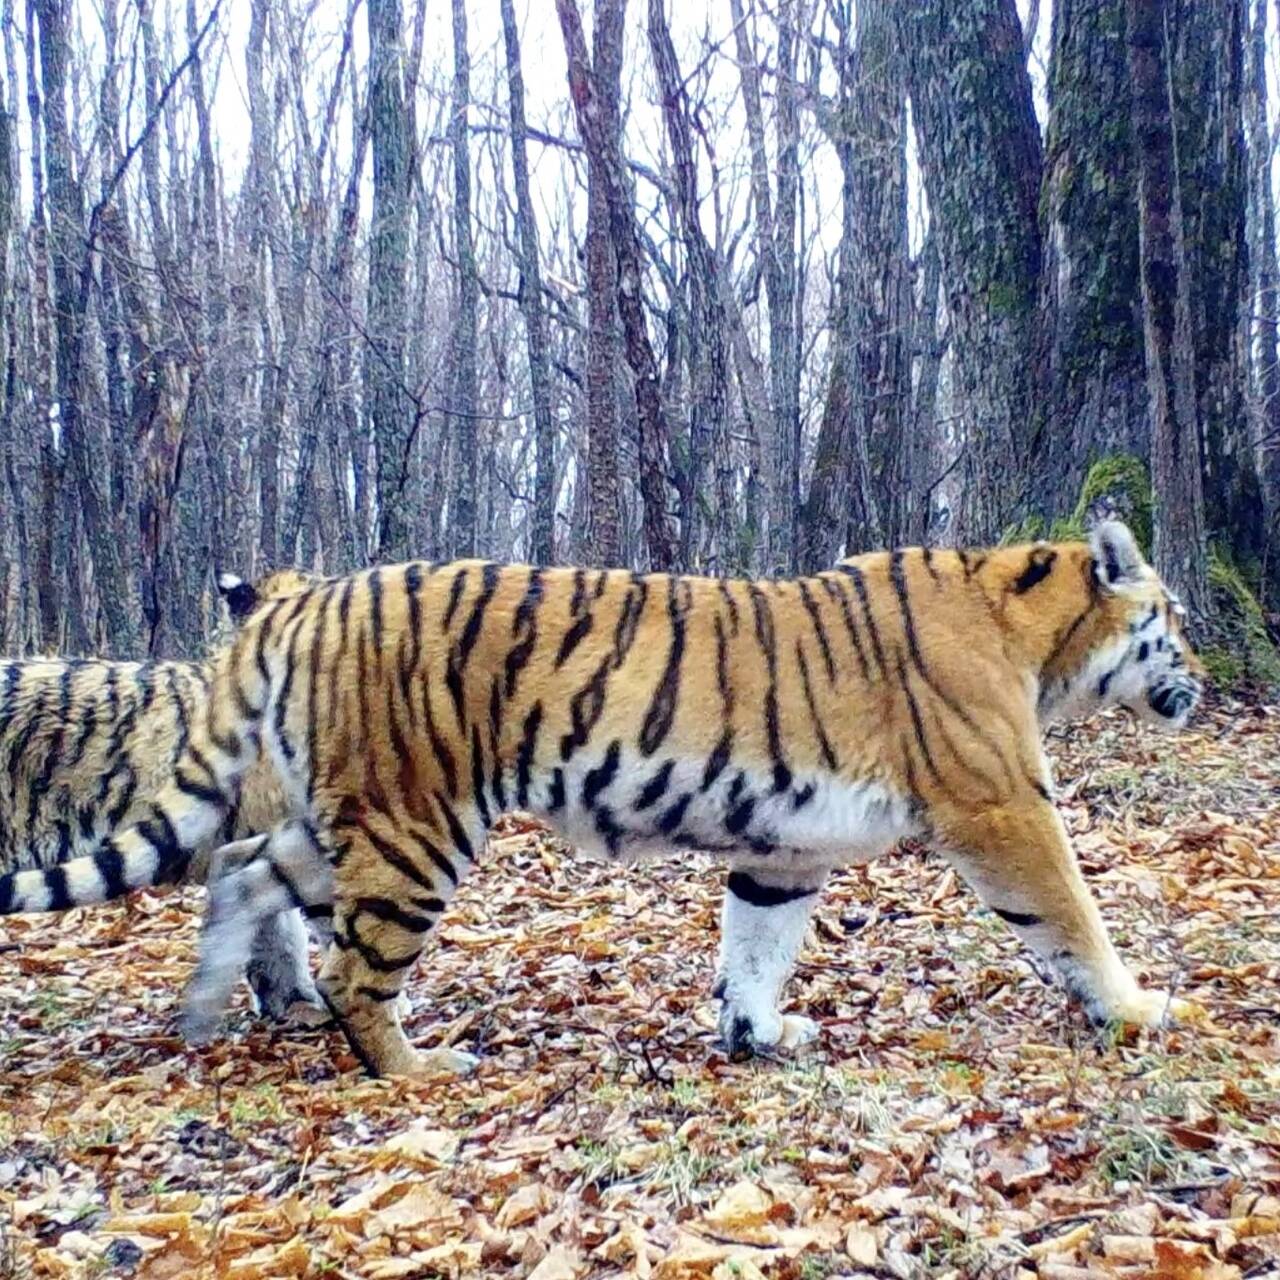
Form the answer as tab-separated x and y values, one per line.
980	153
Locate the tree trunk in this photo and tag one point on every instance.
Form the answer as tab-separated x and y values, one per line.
388	255
464	399
72	279
1179	542
860	493
599	125
709	331
1097	401
603	481
775	229
980	153
1207	69
1266	279
542	542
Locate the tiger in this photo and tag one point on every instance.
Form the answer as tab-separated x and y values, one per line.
791	726
85	741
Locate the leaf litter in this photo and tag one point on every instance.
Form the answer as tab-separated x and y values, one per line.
956	1119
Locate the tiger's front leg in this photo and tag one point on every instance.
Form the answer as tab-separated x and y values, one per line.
766	913
1020	862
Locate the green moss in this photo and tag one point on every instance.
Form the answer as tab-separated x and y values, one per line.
1121	480
1238	649
1118	478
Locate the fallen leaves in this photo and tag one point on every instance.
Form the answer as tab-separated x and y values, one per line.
956	1118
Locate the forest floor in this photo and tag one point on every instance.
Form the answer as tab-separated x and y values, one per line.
956	1118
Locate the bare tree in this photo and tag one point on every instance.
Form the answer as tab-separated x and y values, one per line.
542	546
599	125
463	396
709	402
388	246
1179	548
980	152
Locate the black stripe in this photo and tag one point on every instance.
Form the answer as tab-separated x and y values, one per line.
750	890
282	878
439	748
860	586
765	637
819	630
824	743
478	778
573	638
524	628
731	604
171	857
655	788
392	913
718	761
555	797
440	860
579	592
624	633
461	841
926	555
314	660
55	881
585	709
525	754
455	596
673	816
1023	919
835	589
110	863
286	689
918	725
1039	567
599	779
489	577
396	858
662	709
740	816
898	578
198	790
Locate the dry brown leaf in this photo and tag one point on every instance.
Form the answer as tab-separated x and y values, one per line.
562	1263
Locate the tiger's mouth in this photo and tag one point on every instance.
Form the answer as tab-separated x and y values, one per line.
1174	700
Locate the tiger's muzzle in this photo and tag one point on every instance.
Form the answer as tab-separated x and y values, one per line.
1173	700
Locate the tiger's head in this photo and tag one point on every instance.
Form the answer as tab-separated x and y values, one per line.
1127	646
242	598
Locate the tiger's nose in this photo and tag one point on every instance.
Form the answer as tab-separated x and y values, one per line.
1171	701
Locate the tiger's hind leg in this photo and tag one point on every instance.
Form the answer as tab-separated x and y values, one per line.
1020	862
279	973
391	888
256	888
766	913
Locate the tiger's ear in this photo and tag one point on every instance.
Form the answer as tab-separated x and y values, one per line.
240	596
1116	558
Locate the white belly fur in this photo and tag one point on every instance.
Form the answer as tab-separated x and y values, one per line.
843	822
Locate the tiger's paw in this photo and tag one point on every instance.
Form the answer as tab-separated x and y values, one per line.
744	1036
1150	1009
428	1063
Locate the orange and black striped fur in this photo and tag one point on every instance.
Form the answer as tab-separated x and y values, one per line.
792	726
86	744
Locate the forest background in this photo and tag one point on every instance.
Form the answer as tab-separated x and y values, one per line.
732	288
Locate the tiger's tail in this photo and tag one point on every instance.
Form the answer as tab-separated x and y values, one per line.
188	814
